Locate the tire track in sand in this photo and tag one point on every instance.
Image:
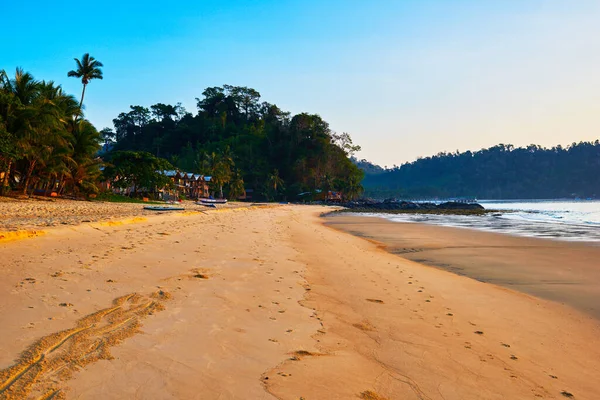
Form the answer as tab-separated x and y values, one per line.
51	360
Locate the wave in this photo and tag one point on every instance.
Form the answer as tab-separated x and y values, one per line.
573	221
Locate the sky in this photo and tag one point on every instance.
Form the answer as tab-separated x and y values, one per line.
405	79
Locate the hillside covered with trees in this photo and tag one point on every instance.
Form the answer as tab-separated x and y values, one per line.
47	145
499	172
242	142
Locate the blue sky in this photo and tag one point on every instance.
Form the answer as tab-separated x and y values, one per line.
404	78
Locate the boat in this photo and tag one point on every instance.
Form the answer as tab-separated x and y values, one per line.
204	202
163	208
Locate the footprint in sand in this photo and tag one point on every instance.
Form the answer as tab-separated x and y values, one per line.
371	395
364	326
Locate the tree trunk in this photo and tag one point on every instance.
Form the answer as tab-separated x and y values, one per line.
28	177
47	187
61	184
81	101
5	180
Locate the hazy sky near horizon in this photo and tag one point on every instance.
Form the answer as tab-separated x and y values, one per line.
404	78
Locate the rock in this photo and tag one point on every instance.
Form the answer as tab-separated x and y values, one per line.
454	205
393	204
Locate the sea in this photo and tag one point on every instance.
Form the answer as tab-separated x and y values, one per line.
572	220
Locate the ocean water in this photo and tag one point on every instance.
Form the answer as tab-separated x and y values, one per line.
577	220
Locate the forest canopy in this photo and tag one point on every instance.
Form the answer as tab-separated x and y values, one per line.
47	146
499	172
242	142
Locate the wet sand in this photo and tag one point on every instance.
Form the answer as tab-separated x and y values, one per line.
565	272
269	303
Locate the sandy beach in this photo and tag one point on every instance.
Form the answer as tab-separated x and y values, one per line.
562	271
43	212
271	303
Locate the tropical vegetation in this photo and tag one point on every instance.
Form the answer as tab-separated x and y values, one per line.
243	143
46	144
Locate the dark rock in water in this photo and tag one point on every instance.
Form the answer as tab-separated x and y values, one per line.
454	205
396	205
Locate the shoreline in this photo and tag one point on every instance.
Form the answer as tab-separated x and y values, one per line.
256	303
508	222
556	270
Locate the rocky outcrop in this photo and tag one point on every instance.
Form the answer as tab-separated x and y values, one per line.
391	205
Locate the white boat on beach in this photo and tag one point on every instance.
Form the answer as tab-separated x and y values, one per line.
211	202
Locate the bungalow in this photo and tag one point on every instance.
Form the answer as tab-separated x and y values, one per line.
193	186
335	197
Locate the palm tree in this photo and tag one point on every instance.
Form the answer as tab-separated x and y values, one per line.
220	166
353	187
275	182
84	169
88	68
236	187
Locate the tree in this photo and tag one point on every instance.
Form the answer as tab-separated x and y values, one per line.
107	135
351	187
220	167
88	68
344	141
85	169
7	155
275	182
236	187
137	170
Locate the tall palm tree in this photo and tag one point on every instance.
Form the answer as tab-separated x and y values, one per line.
88	68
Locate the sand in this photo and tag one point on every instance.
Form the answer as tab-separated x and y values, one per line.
44	212
565	272
267	303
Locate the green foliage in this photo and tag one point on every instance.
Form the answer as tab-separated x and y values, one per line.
43	145
500	172
236	188
239	140
139	170
88	68
7	146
